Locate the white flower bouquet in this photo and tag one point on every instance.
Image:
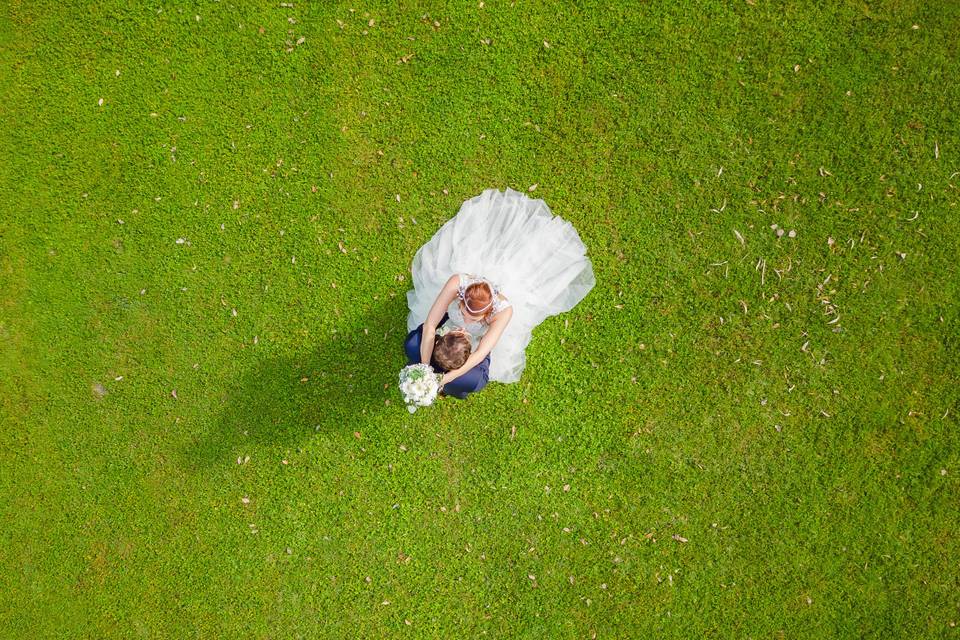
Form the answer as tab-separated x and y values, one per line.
419	384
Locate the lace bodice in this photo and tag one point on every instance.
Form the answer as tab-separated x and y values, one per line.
475	330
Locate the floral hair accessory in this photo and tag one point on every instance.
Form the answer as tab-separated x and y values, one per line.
476	311
463	295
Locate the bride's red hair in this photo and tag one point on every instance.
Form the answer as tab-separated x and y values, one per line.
479	296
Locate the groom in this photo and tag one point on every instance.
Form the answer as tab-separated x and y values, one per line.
470	382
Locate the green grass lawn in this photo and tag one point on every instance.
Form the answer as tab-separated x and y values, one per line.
734	435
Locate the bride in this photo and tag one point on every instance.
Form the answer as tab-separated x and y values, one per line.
494	272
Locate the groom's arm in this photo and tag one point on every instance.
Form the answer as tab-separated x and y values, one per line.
487	342
471	381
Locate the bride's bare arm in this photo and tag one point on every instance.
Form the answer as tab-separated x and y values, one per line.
487	343
444	298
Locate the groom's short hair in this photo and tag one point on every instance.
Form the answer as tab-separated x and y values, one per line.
450	351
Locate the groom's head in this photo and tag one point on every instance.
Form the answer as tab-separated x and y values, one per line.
451	350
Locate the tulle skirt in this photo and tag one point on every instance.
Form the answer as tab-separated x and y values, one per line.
537	259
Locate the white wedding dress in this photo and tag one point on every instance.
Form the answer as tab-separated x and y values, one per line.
535	259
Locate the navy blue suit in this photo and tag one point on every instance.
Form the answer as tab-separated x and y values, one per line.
470	382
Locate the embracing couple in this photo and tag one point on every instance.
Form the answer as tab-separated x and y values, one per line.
466	326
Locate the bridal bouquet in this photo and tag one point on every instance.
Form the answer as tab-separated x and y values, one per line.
419	385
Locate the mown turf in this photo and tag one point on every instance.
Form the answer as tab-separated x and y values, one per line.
733	435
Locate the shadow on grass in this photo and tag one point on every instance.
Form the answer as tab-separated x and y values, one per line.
335	388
